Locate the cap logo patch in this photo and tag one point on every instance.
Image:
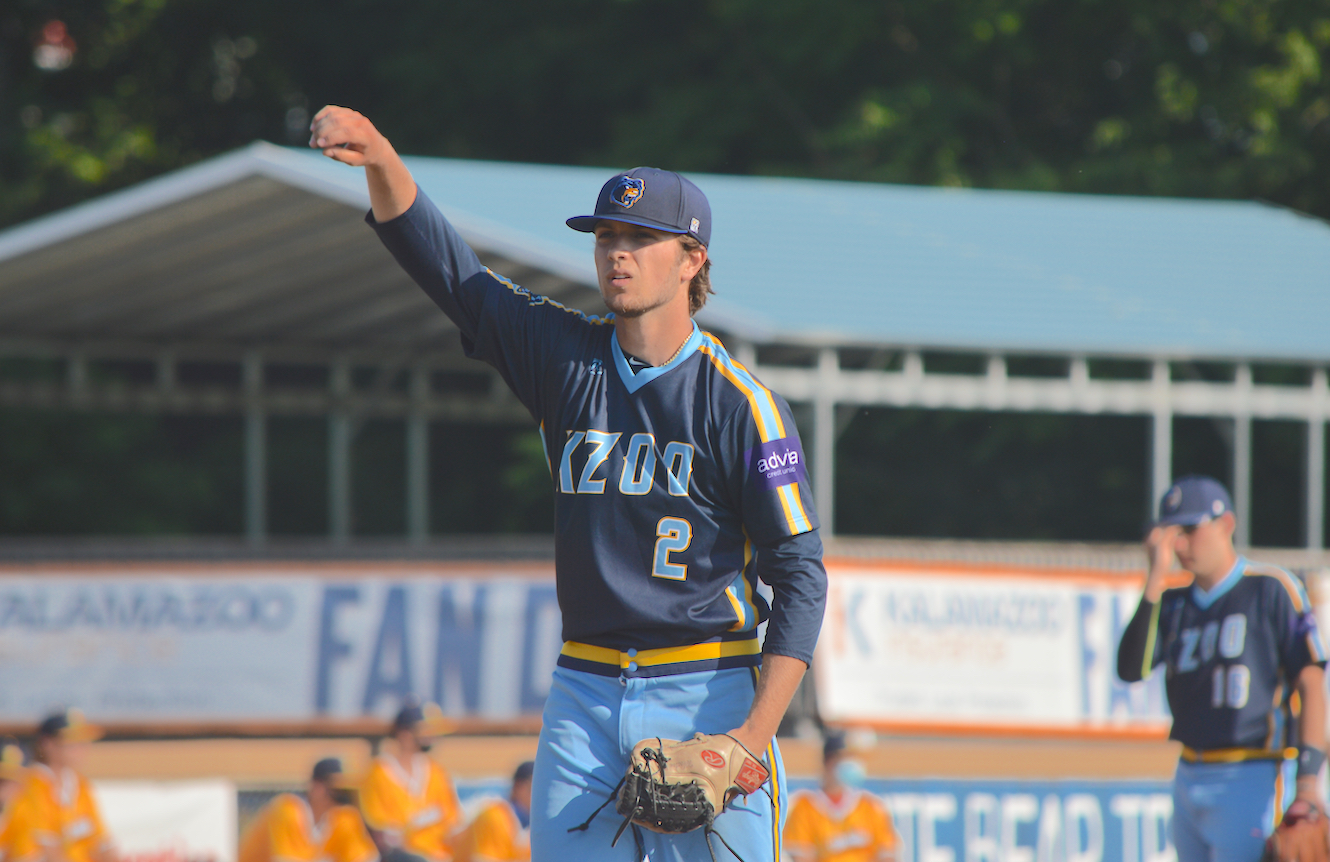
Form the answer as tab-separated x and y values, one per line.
1217	507
1174	498
627	191
692	227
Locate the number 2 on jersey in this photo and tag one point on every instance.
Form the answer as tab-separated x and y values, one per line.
672	534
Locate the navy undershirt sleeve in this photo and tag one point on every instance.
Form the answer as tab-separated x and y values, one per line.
792	566
444	266
503	324
1132	660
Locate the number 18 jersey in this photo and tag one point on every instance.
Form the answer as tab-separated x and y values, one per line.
1231	656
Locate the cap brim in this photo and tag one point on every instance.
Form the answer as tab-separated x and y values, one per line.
81	733
587	224
432	728
1184	519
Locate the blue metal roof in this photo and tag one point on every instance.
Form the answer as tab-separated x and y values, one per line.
966	268
835	262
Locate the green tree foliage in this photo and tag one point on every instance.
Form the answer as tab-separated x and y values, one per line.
1208	98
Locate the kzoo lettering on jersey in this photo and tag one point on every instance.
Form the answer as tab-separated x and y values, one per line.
940	820
586	452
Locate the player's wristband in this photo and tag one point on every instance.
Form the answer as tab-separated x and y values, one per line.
1310	761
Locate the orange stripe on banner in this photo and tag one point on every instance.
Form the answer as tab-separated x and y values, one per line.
1151	733
889	568
376	570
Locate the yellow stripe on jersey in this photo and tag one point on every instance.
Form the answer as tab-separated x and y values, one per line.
737	606
1147	663
775	802
769	424
1296	595
662	655
793	505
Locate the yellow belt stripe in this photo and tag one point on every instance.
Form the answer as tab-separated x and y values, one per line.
663	655
1235	755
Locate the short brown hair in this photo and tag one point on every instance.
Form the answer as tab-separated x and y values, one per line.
700	287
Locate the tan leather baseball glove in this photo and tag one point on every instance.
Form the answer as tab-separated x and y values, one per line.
1302	836
674	786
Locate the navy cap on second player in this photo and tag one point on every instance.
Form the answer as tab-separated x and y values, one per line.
652	198
1194	500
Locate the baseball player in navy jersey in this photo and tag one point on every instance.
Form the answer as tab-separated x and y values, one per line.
1237	645
678	482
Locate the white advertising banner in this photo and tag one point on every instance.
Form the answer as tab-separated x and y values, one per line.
969	647
170	821
277	644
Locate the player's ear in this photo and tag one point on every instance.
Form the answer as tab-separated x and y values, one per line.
1228	523
694	254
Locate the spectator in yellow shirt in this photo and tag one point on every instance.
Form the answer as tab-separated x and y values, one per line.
839	822
18	828
58	799
319	828
500	832
408	799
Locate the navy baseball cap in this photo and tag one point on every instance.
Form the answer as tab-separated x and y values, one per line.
835	743
327	769
651	198
70	726
1193	500
524	771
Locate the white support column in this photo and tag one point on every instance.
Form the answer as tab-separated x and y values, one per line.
824	440
1316	464
1242	458
166	372
339	456
417	460
745	352
1161	448
76	376
256	448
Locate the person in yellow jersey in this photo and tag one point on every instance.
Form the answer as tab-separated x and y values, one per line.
19	830
500	832
839	822
58	798
407	798
321	827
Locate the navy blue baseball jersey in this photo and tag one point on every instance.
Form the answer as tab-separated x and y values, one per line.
1232	656
675	486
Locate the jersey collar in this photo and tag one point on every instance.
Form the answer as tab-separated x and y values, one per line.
1205	599
634	382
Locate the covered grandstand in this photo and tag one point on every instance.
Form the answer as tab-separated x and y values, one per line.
837	294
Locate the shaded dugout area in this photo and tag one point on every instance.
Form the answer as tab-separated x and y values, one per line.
226	351
900	472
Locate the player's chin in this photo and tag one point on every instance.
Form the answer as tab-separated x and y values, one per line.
624	306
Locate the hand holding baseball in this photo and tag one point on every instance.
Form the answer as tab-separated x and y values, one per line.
348	137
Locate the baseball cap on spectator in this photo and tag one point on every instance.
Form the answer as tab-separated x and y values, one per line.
1193	500
652	198
327	770
11	761
835	743
425	719
523	771
70	726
